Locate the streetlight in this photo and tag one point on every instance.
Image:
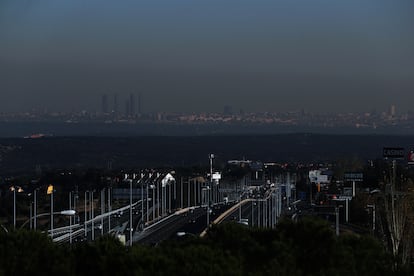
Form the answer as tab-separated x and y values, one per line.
92	216
373	216
337	218
130	210
63	213
19	190
211	157
86	214
35	209
50	191
109	208
69	213
253	204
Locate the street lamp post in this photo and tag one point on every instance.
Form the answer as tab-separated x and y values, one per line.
86	215
35	209
109	209
337	218
63	213
142	203
188	192
91	203
130	211
253	203
240	208
51	213
153	201
211	157
70	219
146	201
19	190
373	216
169	183
30	216
181	194
14	207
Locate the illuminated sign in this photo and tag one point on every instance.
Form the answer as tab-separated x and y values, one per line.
411	158
393	152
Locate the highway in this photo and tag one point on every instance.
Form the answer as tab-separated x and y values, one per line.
190	221
161	226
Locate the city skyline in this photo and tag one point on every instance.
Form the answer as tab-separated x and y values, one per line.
331	56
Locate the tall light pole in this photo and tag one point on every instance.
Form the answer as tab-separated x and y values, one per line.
337	218
211	157
240	208
86	216
50	191
373	216
252	213
35	209
19	190
181	194
153	201
70	218
109	209
130	211
146	201
91	203
142	202
14	207
102	210
31	213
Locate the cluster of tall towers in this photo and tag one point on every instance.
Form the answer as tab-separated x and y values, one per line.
132	105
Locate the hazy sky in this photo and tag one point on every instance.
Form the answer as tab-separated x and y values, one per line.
189	55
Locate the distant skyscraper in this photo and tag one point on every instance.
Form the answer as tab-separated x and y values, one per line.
392	111
132	109
227	110
139	103
127	108
104	103
115	104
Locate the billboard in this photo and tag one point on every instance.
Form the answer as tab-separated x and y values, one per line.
411	157
394	153
316	176
354	176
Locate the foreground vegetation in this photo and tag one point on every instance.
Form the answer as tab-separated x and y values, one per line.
308	247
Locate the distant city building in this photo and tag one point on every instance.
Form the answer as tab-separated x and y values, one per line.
139	103
132	110
127	108
115	104
104	104
227	110
392	111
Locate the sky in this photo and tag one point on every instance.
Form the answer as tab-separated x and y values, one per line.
197	56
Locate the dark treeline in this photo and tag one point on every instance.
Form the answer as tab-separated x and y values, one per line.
25	155
308	247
